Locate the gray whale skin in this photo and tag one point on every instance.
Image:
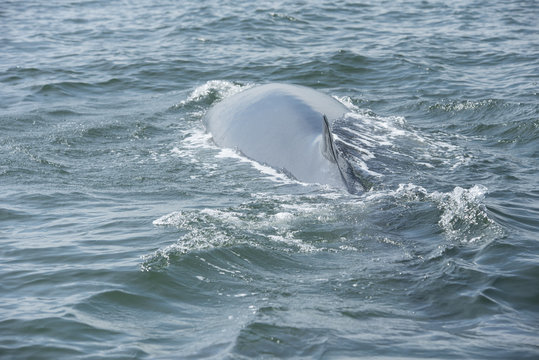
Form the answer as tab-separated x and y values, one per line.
285	127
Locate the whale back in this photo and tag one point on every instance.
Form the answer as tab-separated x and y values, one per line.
283	126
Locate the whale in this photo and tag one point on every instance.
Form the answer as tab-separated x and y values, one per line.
286	127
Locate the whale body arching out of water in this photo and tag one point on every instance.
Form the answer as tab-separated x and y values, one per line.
286	127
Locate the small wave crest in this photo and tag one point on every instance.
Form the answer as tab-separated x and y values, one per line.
463	215
211	91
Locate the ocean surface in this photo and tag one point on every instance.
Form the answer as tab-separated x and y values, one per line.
126	233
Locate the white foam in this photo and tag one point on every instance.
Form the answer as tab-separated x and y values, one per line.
283	217
463	210
222	87
276	224
197	138
174	218
290	240
346	101
370	135
463	213
231	217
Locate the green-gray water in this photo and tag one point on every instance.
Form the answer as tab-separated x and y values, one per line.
126	233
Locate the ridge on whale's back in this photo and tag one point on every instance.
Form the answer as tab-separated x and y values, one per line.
282	126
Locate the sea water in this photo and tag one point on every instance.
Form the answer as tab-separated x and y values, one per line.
125	232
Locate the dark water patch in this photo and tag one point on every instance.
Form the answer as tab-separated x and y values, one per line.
516	211
24	75
462	284
106	132
15	123
72	89
65	336
285	18
486	122
12	215
279	341
117	306
350	63
71	329
27	159
64	113
320	72
520	133
14	76
38	351
516	284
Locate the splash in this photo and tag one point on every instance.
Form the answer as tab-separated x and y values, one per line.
213	90
463	214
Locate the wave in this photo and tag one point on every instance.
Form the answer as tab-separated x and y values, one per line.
312	223
210	92
76	88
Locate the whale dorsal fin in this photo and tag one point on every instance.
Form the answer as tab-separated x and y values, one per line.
328	147
353	184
